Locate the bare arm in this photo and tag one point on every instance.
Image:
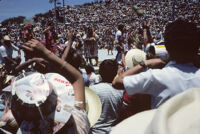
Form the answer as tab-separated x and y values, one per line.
118	82
46	29
69	44
147	34
27	63
10	60
66	52
63	68
24	65
153	63
123	59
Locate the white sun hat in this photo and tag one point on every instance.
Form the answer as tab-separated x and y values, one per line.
93	106
45	99
179	115
6	38
54	95
134	57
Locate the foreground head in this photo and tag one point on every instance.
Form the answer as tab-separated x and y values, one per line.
108	70
74	59
181	40
39	105
89	69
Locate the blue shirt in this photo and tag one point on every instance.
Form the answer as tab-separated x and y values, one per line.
86	79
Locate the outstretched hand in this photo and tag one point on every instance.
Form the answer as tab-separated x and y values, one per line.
33	48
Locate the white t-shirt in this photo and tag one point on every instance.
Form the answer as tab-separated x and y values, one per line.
93	79
117	35
164	83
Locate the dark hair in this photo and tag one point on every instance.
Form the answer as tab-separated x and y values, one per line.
89	69
74	58
90	32
181	40
108	70
120	27
50	24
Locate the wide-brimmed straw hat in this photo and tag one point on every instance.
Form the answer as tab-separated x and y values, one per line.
134	57
47	99
6	38
179	115
93	106
42	103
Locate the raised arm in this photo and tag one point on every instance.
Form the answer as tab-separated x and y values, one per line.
153	63
27	63
48	28
71	37
146	33
10	60
62	67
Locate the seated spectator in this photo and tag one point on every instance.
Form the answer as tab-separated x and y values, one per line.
93	78
111	99
136	103
178	115
44	121
182	43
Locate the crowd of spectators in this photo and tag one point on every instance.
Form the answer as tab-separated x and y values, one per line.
141	77
103	17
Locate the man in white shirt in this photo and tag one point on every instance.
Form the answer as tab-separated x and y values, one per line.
6	54
118	42
93	78
181	40
119	33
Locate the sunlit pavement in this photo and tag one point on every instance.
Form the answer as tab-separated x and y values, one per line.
102	53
